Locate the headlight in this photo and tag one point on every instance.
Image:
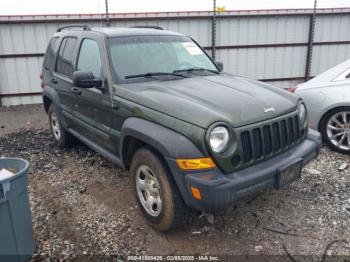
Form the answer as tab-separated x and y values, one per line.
302	115
219	138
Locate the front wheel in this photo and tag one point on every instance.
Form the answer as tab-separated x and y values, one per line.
156	191
335	129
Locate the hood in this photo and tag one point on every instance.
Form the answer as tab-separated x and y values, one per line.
207	99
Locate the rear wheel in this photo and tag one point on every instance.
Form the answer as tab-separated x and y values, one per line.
62	137
335	129
156	191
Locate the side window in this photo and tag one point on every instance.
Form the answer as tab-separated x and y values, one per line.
50	55
89	57
64	64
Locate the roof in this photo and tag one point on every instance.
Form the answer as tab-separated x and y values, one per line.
328	75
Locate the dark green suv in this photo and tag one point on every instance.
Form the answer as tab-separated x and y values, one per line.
153	102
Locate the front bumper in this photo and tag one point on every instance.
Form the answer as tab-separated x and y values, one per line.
218	189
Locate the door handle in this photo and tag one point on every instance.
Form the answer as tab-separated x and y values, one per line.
76	90
54	81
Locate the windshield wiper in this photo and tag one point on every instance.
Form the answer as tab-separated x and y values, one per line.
196	69
151	74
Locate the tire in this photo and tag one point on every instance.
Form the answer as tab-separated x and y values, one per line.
62	137
335	129
171	212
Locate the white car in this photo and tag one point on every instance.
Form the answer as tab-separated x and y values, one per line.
327	98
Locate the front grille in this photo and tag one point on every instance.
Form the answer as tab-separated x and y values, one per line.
257	143
269	139
247	146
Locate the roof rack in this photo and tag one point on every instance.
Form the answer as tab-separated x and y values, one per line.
148	26
85	27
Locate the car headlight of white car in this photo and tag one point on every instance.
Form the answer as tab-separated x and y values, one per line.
302	115
219	139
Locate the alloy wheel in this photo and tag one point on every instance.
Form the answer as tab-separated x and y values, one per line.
338	130
148	190
55	125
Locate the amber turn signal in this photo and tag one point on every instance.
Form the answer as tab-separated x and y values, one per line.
196	163
196	193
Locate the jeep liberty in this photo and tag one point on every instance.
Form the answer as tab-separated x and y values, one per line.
154	102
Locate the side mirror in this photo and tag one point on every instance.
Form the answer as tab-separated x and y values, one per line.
220	65
85	79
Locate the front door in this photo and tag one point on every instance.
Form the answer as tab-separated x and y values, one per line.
95	108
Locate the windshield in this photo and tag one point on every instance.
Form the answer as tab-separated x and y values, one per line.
147	56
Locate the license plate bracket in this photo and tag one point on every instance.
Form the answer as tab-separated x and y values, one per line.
289	173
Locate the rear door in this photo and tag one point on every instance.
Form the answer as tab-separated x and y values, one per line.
62	78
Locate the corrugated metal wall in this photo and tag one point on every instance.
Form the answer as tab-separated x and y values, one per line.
267	45
264	62
331	28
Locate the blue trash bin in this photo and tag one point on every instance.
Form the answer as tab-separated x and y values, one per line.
16	236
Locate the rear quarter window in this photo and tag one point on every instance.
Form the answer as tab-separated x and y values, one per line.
50	55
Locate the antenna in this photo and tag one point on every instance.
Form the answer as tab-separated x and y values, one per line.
107	16
213	32
100	12
310	43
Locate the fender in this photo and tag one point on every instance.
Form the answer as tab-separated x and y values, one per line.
52	94
168	142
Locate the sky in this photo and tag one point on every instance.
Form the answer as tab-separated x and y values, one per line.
27	7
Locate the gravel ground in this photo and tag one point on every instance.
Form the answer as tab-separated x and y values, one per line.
82	205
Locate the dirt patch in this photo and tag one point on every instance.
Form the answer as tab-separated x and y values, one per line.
28	117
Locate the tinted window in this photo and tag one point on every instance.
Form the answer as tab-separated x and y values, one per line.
89	57
64	64
50	54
